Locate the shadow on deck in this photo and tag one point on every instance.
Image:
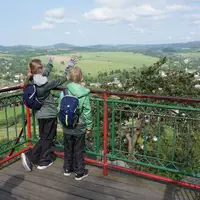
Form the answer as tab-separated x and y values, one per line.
50	184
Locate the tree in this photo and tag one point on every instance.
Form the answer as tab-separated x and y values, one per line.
146	121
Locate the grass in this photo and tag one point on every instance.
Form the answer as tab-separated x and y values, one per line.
13	131
190	55
94	62
5	55
10	112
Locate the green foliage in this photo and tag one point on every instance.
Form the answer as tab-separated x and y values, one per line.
179	132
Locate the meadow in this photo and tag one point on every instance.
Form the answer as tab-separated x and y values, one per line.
14	126
190	55
5	55
94	62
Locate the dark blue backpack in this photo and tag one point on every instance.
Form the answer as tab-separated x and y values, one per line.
68	114
30	98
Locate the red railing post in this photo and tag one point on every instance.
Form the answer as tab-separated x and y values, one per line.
28	118
105	137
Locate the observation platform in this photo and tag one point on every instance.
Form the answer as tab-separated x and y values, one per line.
50	184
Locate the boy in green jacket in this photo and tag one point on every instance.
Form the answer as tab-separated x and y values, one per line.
74	139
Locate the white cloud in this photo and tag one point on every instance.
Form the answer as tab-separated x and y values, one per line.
193	19
170	37
193	33
128	14
177	7
132	10
115	3
186	38
55	16
160	17
80	32
42	26
104	14
196	22
192	16
112	22
51	17
146	11
139	30
54	20
57	13
67	33
132	18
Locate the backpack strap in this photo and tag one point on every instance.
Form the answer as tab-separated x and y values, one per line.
65	91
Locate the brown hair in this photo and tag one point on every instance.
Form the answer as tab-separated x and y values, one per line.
75	75
35	66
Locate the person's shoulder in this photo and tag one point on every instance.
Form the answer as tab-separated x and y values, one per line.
87	90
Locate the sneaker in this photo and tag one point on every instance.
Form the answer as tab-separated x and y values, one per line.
79	177
26	162
44	166
67	172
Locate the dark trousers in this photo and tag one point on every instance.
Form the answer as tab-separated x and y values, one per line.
41	154
74	146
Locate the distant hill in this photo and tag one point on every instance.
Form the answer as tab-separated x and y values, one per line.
15	48
102	47
195	44
58	46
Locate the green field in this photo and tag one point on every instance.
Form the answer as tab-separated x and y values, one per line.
5	55
190	55
10	112
94	62
12	130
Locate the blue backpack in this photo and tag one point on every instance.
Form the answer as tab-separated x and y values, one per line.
68	114
30	98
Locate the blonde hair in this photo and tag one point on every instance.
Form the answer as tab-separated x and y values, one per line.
75	75
34	65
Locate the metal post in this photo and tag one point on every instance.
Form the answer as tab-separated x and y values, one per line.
28	118
105	147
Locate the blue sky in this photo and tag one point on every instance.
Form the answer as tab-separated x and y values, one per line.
88	22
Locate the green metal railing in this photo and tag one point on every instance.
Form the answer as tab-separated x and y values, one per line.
152	135
94	141
157	136
12	122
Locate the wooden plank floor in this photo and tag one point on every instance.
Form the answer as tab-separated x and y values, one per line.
50	184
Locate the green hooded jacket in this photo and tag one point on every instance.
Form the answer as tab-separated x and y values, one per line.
85	118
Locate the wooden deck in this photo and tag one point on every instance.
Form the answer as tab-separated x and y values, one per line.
50	184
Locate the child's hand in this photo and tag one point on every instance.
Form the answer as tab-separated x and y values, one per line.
88	131
50	58
82	84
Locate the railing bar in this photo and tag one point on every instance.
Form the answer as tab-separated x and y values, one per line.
145	141
7	130
174	138
159	138
23	121
132	136
34	124
15	121
98	127
113	129
153	166
146	96
166	116
154	105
